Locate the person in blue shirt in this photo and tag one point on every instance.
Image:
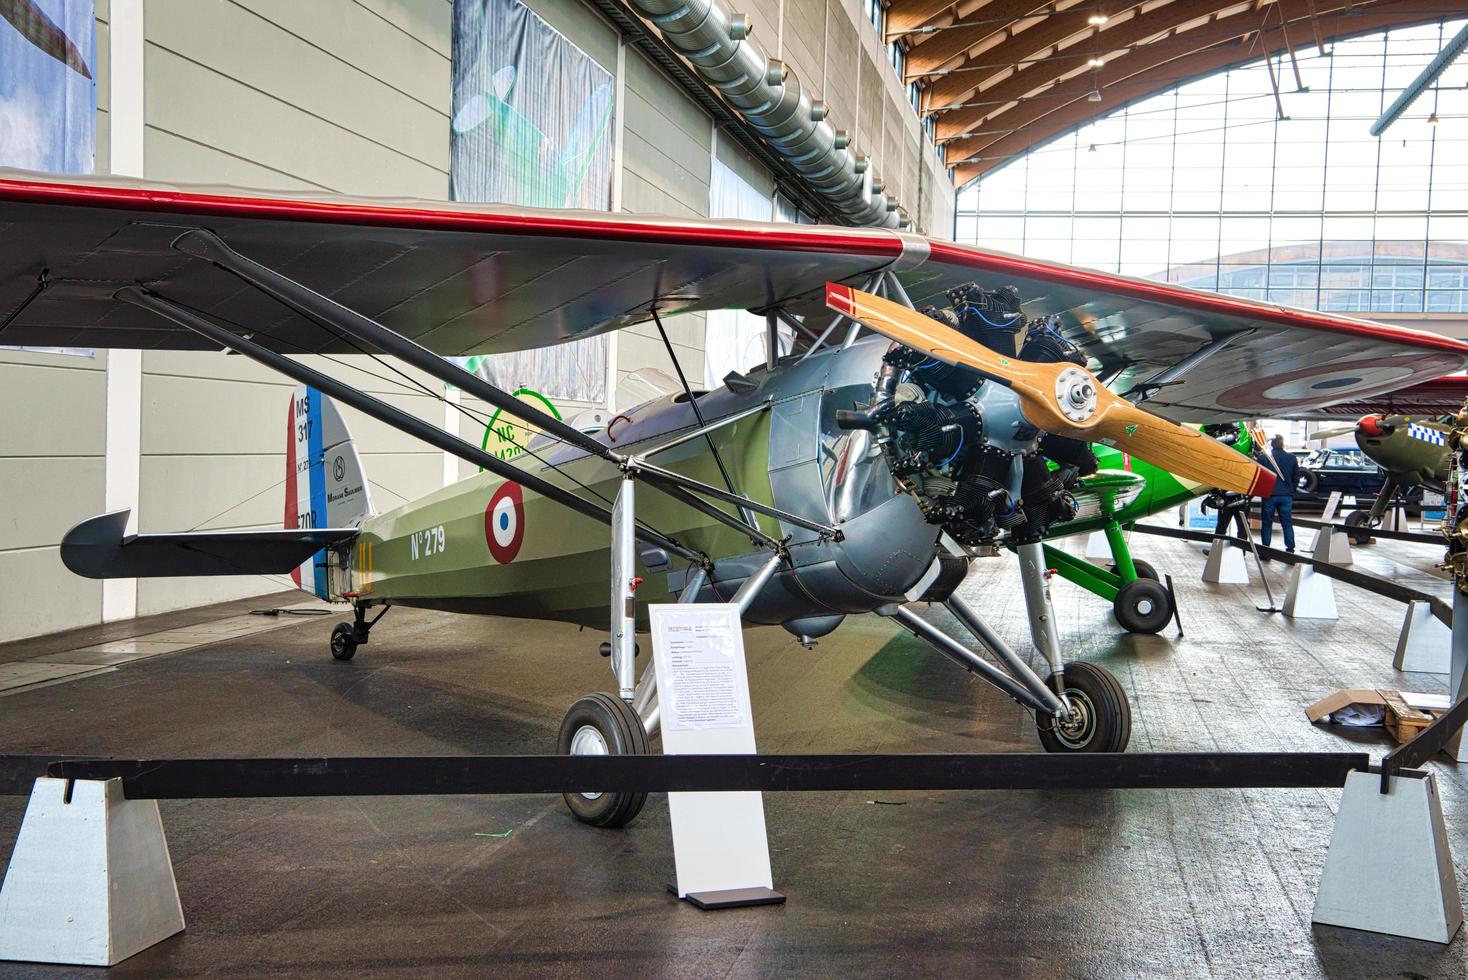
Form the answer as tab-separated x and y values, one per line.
1281	500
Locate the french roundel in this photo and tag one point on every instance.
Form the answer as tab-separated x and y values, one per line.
504	523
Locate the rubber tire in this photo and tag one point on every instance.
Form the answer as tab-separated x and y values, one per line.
1144	570
1112	720
344	641
622	730
1357	519
1132	595
1308	481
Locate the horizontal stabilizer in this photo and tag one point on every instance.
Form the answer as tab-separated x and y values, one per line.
99	548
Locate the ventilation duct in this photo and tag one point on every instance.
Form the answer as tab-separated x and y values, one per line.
716	42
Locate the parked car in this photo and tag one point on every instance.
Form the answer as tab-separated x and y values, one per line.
1349	471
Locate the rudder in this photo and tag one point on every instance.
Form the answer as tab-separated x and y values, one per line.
324	484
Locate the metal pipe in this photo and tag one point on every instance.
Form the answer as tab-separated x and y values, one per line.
985	634
750	590
1423	81
385	413
206	245
963	656
716	43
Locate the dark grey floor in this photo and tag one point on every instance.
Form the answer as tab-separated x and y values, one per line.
1136	883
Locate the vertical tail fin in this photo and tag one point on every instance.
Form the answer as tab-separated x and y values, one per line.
324	485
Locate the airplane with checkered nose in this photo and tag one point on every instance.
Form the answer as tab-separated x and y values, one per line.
939	403
1411	451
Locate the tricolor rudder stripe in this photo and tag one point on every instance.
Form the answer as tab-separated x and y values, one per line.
325	487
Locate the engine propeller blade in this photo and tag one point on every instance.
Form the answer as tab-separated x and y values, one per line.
1062	398
1325	434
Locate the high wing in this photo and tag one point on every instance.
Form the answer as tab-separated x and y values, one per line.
464	279
1440	396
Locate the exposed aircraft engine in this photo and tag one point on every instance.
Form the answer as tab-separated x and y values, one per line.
957	440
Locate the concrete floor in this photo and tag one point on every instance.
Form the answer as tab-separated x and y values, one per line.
1117	883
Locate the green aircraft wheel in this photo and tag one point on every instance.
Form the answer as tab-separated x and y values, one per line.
603	724
1101	716
1360	523
1142	606
1144	569
344	641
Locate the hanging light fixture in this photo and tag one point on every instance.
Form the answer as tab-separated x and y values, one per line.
1432	119
1097	62
1095	95
1097	19
1092	148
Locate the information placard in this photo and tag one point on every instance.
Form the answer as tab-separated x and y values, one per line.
719	842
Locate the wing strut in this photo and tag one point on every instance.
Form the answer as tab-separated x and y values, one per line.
205	245
387	414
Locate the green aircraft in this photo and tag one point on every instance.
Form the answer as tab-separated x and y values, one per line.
1122	492
1412	452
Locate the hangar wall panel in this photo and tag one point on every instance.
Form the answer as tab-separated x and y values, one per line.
51	473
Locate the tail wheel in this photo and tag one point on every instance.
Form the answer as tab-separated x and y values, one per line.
603	724
1100	717
1359	524
1142	606
1144	569
344	641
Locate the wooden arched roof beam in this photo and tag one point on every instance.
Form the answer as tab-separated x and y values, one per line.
1025	124
960	88
995	22
1038	39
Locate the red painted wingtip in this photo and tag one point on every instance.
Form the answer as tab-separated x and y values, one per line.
1263	484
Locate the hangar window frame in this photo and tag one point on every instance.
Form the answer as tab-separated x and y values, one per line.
1206	186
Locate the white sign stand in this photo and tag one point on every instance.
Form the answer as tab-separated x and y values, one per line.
719	844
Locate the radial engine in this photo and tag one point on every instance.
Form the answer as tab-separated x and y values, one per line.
956	438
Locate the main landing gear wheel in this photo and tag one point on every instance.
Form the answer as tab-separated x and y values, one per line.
1100	717
1144	569
344	641
603	724
1361	521
1308	481
1142	606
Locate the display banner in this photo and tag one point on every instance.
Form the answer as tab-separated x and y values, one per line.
532	125
48	99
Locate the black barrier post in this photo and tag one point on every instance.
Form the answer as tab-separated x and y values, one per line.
167	779
1420	537
1425	744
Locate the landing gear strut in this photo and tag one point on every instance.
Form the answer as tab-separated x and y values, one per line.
1080	708
346	637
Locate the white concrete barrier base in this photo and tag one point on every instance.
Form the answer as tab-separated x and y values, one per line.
90	882
1389	869
1332	546
1310	595
1425	645
1225	565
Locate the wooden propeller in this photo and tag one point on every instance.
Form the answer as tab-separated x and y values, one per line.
1063	398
